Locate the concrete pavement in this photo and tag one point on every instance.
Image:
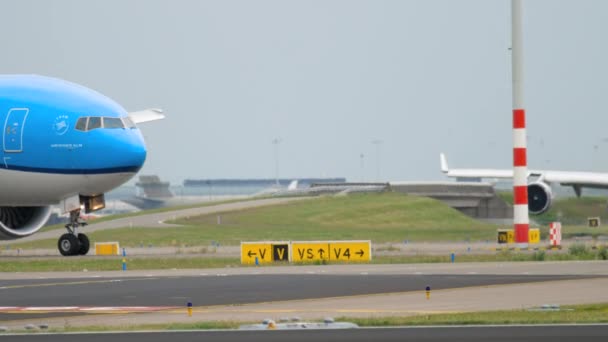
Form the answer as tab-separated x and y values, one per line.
540	333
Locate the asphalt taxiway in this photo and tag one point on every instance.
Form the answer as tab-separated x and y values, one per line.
232	290
563	333
311	292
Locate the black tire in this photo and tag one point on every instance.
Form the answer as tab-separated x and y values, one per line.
68	244
84	244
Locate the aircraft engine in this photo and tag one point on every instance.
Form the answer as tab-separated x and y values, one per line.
540	197
18	222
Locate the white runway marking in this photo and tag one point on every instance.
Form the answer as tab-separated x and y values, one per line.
84	308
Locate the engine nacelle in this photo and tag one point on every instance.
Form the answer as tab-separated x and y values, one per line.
18	222
540	197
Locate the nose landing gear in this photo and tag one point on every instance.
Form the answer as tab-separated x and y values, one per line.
74	243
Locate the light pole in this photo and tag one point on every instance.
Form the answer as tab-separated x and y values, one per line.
378	144
276	142
362	159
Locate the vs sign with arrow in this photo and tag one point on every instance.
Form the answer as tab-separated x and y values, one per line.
310	251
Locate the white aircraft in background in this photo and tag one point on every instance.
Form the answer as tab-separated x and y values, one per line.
540	194
278	190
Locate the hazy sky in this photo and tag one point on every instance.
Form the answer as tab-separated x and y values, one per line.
329	77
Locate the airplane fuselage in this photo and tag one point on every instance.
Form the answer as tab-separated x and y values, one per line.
60	139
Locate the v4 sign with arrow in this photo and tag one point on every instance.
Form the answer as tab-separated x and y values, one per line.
350	251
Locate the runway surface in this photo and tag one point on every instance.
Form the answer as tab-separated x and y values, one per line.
82	296
222	290
552	333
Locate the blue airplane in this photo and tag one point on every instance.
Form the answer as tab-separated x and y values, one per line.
62	144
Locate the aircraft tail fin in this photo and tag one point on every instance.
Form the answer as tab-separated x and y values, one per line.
444	163
293	185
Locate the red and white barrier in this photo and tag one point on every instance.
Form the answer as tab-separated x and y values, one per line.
555	234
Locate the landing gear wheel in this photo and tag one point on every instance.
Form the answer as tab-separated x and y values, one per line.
68	244
84	244
74	243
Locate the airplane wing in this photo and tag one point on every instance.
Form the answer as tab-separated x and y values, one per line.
575	179
146	115
473	173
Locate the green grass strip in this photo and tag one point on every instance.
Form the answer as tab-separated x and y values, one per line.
114	263
79	264
593	313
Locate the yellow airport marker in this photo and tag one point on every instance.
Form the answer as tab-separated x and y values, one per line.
189	309
428	292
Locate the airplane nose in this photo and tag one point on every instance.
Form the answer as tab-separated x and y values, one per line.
137	154
130	150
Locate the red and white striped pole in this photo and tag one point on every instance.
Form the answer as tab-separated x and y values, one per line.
520	167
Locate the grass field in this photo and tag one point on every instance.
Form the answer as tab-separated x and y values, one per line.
152	211
595	313
575	211
379	217
571	211
388	217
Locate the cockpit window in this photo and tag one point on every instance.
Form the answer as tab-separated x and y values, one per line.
81	124
94	122
128	122
88	123
112	123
